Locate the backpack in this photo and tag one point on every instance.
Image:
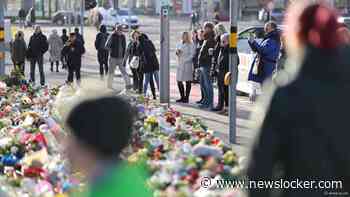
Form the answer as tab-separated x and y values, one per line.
104	38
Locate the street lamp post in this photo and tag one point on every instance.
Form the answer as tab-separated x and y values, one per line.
82	18
164	53
233	70
2	38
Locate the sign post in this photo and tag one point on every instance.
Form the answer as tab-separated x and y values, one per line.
233	70
164	53
82	17
2	38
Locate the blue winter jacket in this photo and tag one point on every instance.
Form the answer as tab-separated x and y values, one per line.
268	50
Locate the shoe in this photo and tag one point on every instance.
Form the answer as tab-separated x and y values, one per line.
181	100
51	69
57	71
216	109
185	100
203	106
223	112
200	101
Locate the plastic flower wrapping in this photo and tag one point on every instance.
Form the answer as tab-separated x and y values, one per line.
179	150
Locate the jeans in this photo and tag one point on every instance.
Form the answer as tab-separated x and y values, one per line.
40	62
113	62
207	85
149	80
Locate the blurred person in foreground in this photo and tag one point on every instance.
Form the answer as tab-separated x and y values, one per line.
304	134
96	143
267	53
344	33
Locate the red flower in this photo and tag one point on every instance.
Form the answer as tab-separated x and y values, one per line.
34	172
24	88
40	138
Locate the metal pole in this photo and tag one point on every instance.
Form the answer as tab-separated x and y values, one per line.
233	70
164	54
2	38
115	4
82	13
69	16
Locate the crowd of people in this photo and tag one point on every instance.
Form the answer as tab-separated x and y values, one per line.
64	49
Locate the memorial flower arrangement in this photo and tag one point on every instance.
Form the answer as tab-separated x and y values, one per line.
31	160
179	150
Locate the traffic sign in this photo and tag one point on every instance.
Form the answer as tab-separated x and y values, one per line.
165	12
164	3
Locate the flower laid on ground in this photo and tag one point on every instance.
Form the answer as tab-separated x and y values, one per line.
179	150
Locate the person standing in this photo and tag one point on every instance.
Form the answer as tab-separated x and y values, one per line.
267	53
73	50
205	63
21	17
102	52
64	39
134	52
37	47
55	49
184	72
18	51
79	37
197	72
31	18
223	68
150	65
194	20
116	44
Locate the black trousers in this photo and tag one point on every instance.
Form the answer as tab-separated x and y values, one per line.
57	64
137	76
74	69
102	57
33	62
223	90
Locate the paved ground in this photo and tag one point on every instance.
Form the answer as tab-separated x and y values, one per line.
150	25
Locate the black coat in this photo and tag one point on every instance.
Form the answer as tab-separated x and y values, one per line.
64	38
37	46
306	132
196	55
116	45
73	54
101	40
132	50
149	60
204	58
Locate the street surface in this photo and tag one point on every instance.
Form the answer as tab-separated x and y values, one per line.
151	26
